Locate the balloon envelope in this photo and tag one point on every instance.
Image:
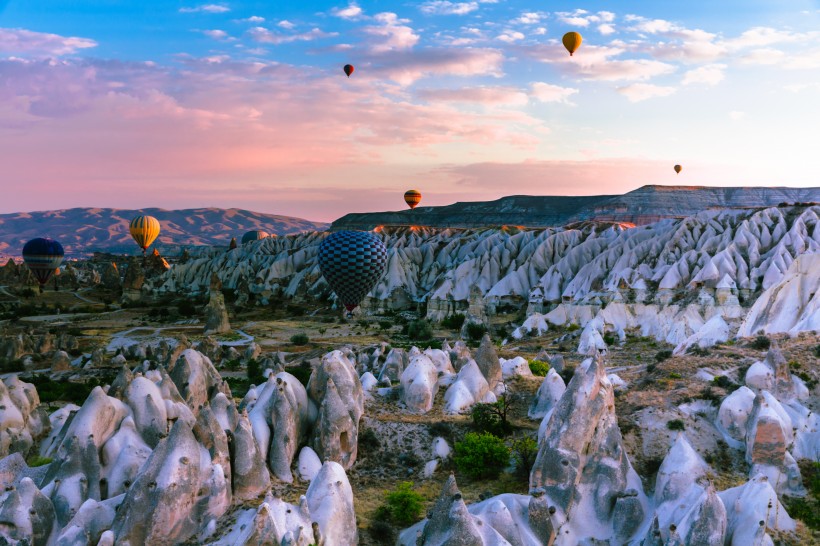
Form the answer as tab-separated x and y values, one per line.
678	169
348	68
412	198
43	256
254	235
352	262
144	230
572	41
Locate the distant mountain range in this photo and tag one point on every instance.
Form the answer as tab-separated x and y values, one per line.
642	206
82	231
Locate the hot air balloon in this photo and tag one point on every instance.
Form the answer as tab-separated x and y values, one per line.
254	235
352	262
43	256
144	229
572	41
348	68
678	169
412	198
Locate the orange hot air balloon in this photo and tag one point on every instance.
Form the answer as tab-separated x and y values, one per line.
678	169
412	198
348	68
572	41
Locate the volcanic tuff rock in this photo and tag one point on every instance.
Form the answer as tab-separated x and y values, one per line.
668	278
587	475
22	419
216	313
644	205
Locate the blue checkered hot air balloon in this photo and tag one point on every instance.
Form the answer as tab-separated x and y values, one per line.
43	256
352	262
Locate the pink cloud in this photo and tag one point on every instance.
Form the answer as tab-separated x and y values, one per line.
479	95
599	63
27	42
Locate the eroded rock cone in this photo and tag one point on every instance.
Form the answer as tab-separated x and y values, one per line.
487	359
588	472
216	313
249	472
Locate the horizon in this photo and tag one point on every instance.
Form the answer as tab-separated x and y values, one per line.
244	105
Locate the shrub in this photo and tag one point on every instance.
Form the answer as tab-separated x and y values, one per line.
11	366
404	504
761	343
186	308
524	451
481	455
38	461
567	373
382	532
660	356
420	330
572	327
368	441
454	322
301	372
539	368
675	375
725	383
255	374
817	351
676	424
385	325
609	339
475	331
492	417
440	428
299	339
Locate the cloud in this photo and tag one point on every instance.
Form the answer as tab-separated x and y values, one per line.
405	68
265	36
766	55
352	11
253	19
529	18
766	36
443	7
709	75
582	18
206	8
510	36
480	95
737	115
391	35
600	63
216	34
27	42
606	29
546	92
638	92
284	23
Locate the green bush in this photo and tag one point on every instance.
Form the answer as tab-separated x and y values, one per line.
255	374
761	343
299	339
539	368
492	418
186	308
676	424
817	351
420	330
609	339
660	356
567	373
725	383
385	325
524	451
11	366
475	331
404	505
67	391
301	372
38	461
454	322
481	455
382	532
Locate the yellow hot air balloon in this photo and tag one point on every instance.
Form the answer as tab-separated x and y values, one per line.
678	169
572	41
412	198
144	229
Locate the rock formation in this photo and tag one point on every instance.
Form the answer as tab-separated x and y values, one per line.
216	314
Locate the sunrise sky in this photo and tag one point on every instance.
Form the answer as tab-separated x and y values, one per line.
244	104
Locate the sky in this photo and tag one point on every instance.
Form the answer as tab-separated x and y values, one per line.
244	104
